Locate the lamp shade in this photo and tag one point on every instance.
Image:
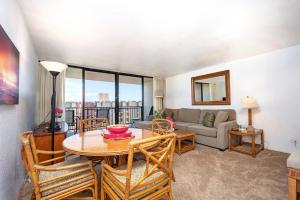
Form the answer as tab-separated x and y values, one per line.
52	66
249	102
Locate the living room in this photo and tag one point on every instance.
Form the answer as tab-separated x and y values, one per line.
210	86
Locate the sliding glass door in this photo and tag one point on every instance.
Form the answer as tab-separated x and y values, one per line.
122	98
99	92
130	99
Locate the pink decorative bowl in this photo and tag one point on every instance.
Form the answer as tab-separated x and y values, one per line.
117	129
117	136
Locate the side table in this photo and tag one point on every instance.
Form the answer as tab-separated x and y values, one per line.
239	147
185	141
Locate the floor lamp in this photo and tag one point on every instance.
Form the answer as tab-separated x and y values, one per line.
54	68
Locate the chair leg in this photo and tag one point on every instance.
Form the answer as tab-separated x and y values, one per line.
170	196
292	188
96	194
102	196
33	196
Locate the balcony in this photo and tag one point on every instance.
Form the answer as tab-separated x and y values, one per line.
128	112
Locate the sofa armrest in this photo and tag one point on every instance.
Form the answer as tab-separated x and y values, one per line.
222	133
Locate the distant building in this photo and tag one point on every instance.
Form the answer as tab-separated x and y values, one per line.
128	111
102	97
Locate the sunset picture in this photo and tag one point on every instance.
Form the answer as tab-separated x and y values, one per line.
9	70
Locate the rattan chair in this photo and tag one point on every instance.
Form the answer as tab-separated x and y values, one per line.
60	180
150	179
162	126
91	124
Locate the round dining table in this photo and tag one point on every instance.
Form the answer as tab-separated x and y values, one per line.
93	145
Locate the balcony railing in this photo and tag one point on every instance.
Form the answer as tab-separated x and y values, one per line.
127	114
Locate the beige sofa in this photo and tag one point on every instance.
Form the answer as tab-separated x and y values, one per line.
191	120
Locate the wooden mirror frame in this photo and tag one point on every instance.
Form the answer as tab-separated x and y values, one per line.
212	75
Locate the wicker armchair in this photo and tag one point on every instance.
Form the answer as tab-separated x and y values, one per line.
60	180
91	124
162	126
149	179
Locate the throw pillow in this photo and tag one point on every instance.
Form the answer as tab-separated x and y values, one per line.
209	119
222	116
171	121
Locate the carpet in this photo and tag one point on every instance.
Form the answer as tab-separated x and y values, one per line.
209	174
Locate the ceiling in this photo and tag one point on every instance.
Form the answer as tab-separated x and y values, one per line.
159	37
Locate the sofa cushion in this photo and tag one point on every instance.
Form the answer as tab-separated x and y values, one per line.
188	115
199	129
293	160
209	119
231	113
183	125
221	116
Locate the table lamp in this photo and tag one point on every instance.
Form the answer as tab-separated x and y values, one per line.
54	68
249	103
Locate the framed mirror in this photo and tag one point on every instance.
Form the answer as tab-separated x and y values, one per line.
211	89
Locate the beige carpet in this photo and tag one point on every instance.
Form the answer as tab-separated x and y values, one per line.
210	174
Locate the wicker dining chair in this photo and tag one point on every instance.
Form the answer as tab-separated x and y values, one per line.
143	180
60	180
162	126
91	124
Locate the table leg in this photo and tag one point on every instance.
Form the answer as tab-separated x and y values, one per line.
253	145
179	146
122	160
109	160
240	140
262	140
292	185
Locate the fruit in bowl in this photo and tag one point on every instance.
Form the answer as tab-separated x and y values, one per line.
117	129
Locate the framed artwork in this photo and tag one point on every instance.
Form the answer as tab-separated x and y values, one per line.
9	70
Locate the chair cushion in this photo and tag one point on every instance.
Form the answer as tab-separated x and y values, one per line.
293	160
45	175
183	125
138	170
188	115
209	119
221	116
199	129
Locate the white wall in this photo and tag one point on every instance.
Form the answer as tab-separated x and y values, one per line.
273	79
16	118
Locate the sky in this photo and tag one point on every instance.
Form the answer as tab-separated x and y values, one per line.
128	92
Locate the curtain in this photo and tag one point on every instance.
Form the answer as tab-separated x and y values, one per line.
44	93
159	90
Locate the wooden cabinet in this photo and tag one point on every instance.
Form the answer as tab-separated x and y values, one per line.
42	137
